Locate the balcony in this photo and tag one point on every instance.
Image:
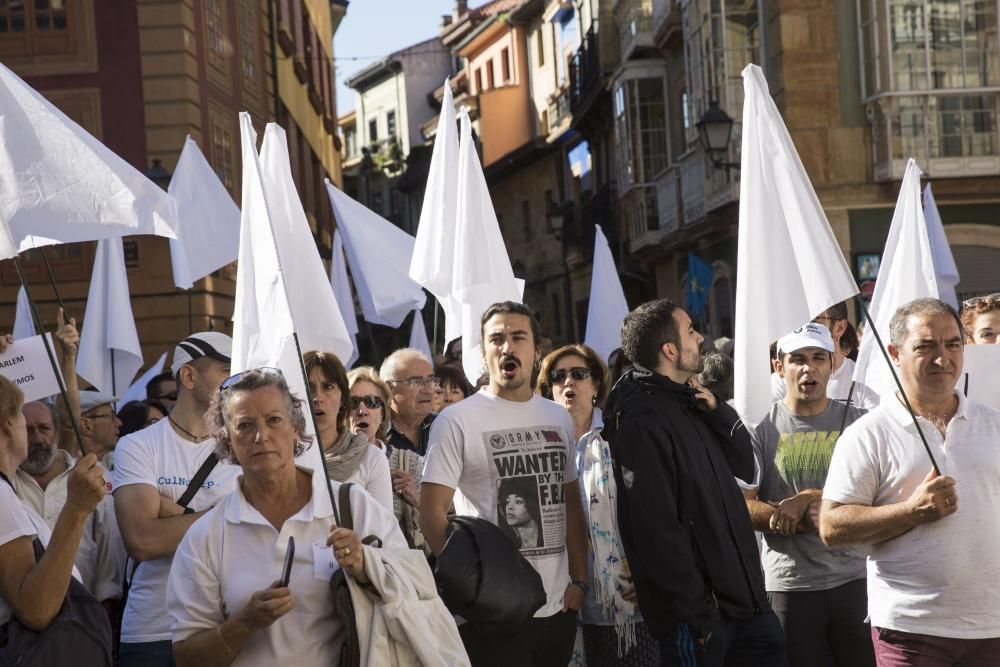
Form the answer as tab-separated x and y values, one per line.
668	199
635	26
951	135
585	72
558	115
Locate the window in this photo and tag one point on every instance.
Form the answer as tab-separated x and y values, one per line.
222	154
390	124
373	130
38	27
505	64
215	33
350	141
640	127
489	74
929	78
248	43
540	44
479	80
526	219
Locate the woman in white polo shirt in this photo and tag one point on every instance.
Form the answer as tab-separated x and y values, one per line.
224	596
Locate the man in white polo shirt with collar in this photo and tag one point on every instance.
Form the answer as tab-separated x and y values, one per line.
153	469
934	565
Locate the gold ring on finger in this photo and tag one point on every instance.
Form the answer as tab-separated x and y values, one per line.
346	552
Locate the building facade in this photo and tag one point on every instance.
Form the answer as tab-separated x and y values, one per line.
141	77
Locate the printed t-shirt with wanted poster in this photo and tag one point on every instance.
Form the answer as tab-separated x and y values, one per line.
509	461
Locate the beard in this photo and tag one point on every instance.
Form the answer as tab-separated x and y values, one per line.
41	456
691	361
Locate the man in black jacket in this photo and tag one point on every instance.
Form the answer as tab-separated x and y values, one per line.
683	520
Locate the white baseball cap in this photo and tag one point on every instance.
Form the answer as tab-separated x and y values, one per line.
211	344
810	335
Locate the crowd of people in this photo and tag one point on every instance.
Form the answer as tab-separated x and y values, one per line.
211	520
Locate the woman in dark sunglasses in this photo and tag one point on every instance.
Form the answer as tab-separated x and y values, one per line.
576	378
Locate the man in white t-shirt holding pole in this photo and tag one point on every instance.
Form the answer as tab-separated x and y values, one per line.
153	468
509	452
934	565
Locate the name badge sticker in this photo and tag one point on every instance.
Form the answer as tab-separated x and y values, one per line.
324	562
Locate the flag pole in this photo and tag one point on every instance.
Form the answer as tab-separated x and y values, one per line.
298	347
52	279
434	341
899	385
51	355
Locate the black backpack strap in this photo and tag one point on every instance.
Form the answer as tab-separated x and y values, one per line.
199	478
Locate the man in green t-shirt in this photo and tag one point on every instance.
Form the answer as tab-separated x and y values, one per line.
818	593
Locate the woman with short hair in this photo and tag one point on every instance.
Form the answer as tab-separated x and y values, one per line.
981	319
349	456
613	631
454	384
224	595
370	399
137	415
33	592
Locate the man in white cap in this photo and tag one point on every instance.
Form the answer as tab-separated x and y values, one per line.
154	468
99	426
817	592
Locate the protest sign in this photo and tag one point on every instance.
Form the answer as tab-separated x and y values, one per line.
27	365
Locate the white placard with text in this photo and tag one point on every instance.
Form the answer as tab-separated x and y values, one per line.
27	365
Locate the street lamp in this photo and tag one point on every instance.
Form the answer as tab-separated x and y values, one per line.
158	174
715	130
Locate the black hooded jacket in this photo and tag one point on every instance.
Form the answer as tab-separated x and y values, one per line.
683	520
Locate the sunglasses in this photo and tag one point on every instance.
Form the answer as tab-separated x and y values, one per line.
577	373
370	402
233	379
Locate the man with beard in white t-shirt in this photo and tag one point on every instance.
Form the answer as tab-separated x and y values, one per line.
839	387
153	468
508	451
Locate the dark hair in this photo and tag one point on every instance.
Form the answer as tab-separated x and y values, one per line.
511	308
849	342
837	311
330	366
525	488
618	365
217	415
454	377
899	325
717	375
646	329
135	414
157	380
598	371
449	351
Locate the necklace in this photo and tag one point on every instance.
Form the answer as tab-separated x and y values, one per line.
196	438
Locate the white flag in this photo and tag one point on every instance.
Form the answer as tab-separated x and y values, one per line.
790	267
379	253
342	291
24	323
109	339
61	185
209	221
418	335
433	260
607	308
137	391
906	273
482	274
944	263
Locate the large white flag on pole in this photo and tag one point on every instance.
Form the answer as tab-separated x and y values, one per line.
342	291
379	253
137	390
607	308
209	221
906	273
279	269
24	323
109	339
482	272
789	265
945	269
433	260
61	185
